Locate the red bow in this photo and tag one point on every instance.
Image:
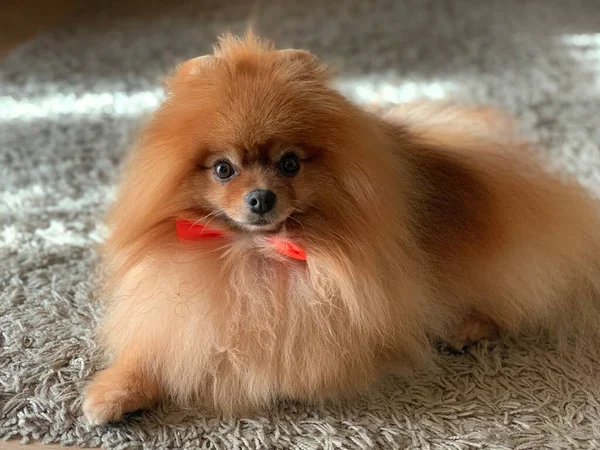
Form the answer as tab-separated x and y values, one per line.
191	231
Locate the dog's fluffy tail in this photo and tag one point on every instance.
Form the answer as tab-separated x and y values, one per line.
532	259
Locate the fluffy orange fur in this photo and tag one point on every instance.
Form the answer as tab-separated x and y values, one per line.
430	222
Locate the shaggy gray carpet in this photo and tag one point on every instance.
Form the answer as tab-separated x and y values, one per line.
70	101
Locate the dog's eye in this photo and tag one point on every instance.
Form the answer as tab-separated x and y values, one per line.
223	170
289	164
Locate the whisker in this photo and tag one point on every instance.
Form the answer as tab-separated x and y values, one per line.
212	216
298	222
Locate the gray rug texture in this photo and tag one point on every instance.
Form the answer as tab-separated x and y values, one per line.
70	102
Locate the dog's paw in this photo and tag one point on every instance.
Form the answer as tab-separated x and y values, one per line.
104	403
113	393
472	330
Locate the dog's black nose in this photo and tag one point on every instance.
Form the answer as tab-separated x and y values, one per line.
261	201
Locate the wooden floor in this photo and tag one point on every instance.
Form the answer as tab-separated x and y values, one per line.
14	445
20	20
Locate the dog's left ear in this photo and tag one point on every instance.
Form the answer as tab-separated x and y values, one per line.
304	63
302	56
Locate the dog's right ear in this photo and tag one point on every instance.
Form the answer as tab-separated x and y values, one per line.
195	66
190	70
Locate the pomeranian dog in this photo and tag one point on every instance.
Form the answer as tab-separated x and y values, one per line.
274	241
